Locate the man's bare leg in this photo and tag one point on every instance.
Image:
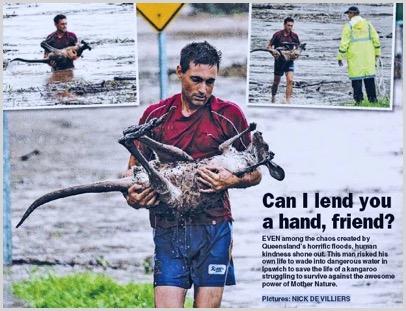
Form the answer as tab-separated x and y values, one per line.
276	81
169	297
289	86
208	297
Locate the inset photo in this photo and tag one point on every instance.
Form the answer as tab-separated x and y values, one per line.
225	26
321	55
64	55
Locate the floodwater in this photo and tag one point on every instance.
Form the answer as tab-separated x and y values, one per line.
106	75
326	151
319	81
322	150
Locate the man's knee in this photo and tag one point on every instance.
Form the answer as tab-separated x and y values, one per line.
208	297
276	80
289	78
169	297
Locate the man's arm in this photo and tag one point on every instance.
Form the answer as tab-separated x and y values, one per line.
75	40
219	179
137	197
271	45
375	41
297	39
46	53
345	42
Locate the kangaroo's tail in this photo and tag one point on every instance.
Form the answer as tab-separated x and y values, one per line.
44	61
121	185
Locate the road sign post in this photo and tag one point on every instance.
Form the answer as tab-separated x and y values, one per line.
7	245
163	67
159	15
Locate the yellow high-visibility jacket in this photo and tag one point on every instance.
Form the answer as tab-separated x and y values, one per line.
360	44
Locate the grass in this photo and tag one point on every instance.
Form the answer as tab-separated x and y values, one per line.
84	290
381	103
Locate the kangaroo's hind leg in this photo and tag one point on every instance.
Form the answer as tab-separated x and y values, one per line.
48	48
224	146
167	191
139	132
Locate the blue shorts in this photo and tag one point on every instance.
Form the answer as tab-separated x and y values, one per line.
199	255
282	67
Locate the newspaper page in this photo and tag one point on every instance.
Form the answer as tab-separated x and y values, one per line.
318	222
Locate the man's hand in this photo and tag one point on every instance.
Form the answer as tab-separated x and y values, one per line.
52	63
274	53
272	50
340	63
141	198
217	178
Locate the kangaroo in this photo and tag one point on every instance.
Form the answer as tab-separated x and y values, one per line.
289	51
60	57
176	182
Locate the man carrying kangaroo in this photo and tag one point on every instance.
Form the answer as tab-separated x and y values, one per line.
282	66
60	39
194	249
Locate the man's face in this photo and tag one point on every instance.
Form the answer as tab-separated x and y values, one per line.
62	25
350	15
288	26
197	84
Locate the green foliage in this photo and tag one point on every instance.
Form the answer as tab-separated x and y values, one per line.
381	103
221	8
84	290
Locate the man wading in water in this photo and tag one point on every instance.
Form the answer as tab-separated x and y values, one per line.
286	35
60	39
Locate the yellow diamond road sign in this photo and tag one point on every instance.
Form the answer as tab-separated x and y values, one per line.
159	15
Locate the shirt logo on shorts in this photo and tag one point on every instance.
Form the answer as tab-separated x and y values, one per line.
217	269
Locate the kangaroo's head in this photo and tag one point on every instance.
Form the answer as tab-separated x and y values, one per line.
259	148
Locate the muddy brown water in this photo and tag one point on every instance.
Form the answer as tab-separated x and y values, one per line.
329	151
319	25
92	82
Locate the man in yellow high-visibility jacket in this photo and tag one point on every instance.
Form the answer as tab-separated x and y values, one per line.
360	44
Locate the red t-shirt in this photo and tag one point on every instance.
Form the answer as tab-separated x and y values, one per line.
279	38
200	136
68	39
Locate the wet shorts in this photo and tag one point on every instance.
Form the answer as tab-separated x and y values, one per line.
199	255
282	67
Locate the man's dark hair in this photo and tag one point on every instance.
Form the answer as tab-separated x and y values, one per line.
201	53
58	18
287	20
